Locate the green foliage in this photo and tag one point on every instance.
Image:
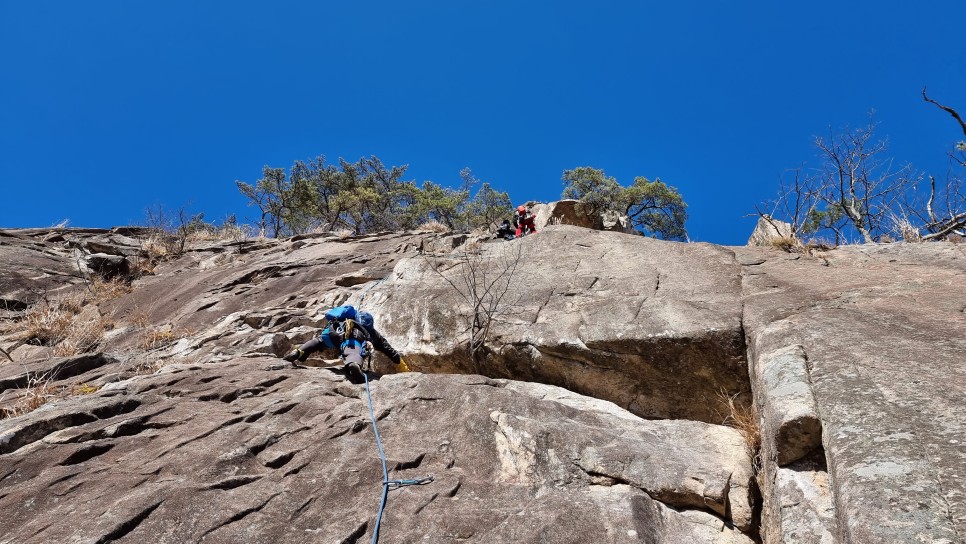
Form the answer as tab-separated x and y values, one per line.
653	207
488	207
817	220
365	196
280	200
455	209
437	203
596	192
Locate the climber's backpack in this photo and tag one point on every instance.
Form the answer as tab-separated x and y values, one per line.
343	327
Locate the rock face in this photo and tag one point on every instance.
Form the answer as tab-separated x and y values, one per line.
562	212
565	212
652	326
769	229
589	408
254	449
870	343
31	267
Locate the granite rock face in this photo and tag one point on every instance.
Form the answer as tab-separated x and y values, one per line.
881	330
566	212
32	267
257	450
769	230
652	326
588	410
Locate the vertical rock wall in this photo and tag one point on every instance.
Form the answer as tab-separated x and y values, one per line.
653	326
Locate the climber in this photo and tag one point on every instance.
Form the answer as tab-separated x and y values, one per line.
523	221
353	333
505	231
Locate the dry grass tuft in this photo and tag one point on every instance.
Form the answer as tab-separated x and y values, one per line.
157	338
162	336
72	323
159	245
433	226
104	290
792	244
903	228
225	233
48	321
83	334
39	391
140	319
788	244
743	418
148	366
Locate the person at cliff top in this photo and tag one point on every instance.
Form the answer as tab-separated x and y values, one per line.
505	231
351	332
523	221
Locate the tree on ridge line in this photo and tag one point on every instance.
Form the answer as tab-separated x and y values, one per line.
365	196
654	208
857	189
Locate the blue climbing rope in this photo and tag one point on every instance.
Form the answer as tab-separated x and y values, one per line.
387	484
366	291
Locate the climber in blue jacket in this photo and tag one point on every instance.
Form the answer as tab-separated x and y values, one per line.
351	332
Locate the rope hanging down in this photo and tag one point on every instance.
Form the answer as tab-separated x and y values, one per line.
387	484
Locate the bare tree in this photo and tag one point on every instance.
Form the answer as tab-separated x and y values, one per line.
859	189
484	280
859	180
798	204
953	220
947	109
945	209
261	198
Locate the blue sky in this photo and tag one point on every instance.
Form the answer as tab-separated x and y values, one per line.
109	107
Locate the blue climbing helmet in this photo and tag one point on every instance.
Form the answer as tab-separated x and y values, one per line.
365	319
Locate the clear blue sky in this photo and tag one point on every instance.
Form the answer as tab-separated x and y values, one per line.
109	107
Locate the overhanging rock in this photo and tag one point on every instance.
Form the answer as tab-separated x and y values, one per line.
652	326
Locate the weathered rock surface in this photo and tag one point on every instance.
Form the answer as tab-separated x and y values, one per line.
790	418
186	427
769	230
565	212
883	330
255	450
31	269
652	326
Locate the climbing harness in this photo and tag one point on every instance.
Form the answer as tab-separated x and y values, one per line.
387	484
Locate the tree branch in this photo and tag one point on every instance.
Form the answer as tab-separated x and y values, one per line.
947	109
952	225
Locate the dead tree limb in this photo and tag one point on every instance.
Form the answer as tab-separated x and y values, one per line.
947	109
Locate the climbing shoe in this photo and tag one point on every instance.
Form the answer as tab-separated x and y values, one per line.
354	372
402	366
295	355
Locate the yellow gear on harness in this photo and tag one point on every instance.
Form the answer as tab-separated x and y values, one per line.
347	333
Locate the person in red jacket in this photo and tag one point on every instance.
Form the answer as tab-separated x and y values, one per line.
523	221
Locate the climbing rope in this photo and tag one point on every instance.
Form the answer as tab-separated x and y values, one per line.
387	484
366	292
